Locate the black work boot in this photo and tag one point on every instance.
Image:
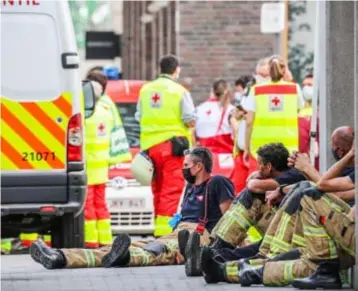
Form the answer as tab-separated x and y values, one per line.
213	270
250	275
218	244
325	277
193	256
46	256
119	254
183	237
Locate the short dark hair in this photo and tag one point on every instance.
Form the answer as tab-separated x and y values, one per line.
242	81
168	64
276	154
99	77
310	75
201	155
96	68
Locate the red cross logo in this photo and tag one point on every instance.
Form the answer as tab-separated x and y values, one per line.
208	112
276	101
156	98
101	127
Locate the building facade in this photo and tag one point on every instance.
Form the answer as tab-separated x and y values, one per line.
213	39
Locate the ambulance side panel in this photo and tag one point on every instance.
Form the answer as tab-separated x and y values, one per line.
40	93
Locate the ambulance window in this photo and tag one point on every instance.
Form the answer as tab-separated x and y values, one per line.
30	55
131	126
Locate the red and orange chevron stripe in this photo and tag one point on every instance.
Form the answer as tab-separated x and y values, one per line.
33	134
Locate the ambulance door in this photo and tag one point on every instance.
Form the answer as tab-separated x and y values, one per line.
40	101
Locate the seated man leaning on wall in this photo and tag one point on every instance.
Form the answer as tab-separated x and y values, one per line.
285	231
206	198
329	232
249	208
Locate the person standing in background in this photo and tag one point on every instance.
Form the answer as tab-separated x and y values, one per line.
166	114
243	170
304	120
215	128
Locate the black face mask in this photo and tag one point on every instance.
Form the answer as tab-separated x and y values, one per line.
335	155
188	176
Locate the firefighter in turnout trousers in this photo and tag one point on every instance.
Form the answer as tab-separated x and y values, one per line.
206	199
166	114
328	231
272	109
249	208
285	232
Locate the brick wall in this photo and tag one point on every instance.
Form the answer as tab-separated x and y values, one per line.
215	39
220	39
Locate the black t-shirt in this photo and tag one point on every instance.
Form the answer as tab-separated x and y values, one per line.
220	190
351	175
291	176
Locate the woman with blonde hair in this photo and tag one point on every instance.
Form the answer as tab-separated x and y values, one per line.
274	110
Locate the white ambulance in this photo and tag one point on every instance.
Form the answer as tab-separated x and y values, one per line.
43	177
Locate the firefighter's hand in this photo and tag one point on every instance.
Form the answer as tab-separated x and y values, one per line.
352	213
302	161
292	159
273	197
352	151
246	159
254	175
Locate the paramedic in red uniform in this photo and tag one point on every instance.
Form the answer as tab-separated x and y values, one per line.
167	117
215	127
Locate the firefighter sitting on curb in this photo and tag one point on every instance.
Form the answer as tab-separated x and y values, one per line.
249	208
329	232
286	226
206	199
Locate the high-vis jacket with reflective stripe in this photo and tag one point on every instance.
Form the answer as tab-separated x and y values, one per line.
97	145
115	123
160	103
306	112
33	134
276	115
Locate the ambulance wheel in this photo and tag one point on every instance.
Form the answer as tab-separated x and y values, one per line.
68	231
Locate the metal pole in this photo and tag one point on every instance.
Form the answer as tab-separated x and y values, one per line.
322	54
315	85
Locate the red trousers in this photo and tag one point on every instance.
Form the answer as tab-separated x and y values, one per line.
96	207
241	172
168	182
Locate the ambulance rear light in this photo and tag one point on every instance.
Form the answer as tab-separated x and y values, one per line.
75	139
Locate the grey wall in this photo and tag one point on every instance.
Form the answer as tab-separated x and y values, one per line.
356	127
339	72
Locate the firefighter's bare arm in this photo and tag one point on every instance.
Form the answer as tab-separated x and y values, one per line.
302	163
330	182
346	196
225	205
261	186
188	111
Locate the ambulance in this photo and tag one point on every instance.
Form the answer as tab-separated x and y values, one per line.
43	105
